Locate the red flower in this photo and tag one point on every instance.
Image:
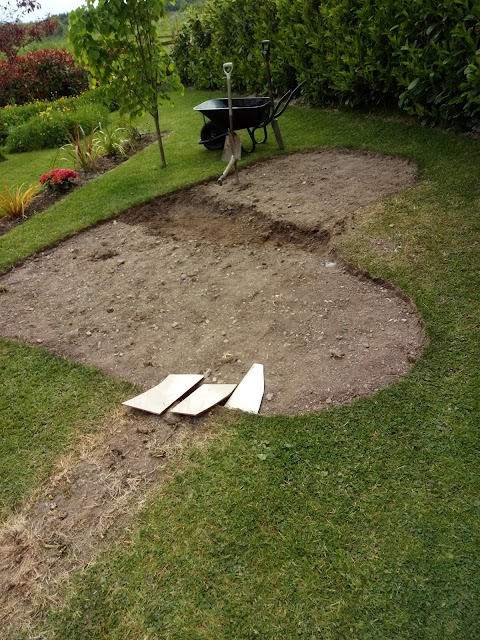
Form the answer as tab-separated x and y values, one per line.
59	178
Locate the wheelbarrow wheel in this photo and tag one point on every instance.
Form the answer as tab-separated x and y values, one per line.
212	136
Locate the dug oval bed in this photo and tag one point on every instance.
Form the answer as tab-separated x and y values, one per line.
212	279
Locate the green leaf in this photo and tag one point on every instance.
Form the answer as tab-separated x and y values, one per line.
413	84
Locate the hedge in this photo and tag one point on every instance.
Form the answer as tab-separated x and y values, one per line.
422	55
46	74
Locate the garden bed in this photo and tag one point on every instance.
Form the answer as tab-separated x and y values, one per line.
47	198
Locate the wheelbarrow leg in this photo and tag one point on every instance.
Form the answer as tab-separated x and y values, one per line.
251	133
252	138
278	134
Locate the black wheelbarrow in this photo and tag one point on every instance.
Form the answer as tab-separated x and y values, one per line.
252	114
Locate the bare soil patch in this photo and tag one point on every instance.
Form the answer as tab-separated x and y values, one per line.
207	280
210	280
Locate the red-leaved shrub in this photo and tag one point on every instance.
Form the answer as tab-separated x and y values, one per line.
46	74
15	35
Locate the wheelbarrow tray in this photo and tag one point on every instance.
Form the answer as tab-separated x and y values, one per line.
247	112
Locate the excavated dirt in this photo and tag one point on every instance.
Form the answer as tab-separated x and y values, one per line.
207	280
211	279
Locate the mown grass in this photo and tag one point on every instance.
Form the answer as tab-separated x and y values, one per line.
45	403
359	522
28	167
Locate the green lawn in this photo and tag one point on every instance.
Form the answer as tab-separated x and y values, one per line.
360	522
45	404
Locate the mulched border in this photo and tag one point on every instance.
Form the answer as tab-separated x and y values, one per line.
48	198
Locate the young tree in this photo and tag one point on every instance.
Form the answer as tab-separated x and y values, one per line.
117	41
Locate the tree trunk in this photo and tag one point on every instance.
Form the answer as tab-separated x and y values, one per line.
159	136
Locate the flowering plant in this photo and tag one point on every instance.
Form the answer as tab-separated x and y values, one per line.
59	179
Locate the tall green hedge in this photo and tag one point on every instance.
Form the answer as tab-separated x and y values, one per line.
422	55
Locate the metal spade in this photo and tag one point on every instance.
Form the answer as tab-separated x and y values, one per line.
232	151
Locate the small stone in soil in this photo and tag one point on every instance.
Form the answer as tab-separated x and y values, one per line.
144	430
335	353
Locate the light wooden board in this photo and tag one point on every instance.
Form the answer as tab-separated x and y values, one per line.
203	398
249	393
159	398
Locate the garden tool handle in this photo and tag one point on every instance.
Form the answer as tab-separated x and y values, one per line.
266	54
266	50
228	68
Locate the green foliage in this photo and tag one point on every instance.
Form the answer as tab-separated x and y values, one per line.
118	42
225	31
182	5
51	128
421	55
15	115
130	131
81	148
112	141
3	130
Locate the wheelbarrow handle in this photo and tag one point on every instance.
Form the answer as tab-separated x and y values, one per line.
227	69
266	50
285	100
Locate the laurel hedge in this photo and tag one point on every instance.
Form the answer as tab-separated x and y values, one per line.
422	55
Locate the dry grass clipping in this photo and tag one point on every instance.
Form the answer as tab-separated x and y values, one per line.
94	492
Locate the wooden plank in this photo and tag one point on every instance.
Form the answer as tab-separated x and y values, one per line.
249	393
204	398
159	398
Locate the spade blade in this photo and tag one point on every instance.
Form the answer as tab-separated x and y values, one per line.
233	147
